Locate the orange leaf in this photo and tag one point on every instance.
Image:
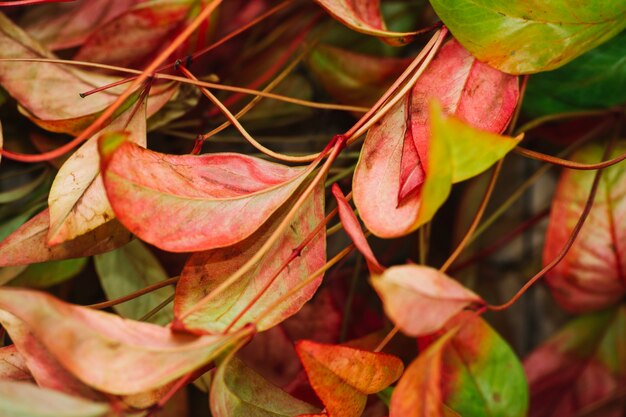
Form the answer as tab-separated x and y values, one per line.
343	376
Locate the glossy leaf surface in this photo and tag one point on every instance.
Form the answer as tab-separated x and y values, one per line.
215	200
591	276
522	36
420	299
261	285
343	376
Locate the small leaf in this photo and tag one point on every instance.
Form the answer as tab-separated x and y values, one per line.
20	399
343	376
98	347
206	270
364	17
47	274
29	243
238	391
214	200
580	368
522	37
419	299
591	276
129	269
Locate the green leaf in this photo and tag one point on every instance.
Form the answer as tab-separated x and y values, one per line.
21	399
238	391
522	37
595	80
47	274
131	268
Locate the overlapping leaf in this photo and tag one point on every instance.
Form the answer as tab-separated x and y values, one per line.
12	365
98	347
268	280
343	376
595	80
364	17
398	155
521	37
419	299
77	201
209	201
29	243
238	391
21	399
49	93
470	371
591	276
580	369
129	269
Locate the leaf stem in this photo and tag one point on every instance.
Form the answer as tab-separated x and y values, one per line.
136	294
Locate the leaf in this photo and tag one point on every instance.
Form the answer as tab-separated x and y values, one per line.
48	93
399	157
128	269
12	365
470	371
591	276
77	201
29	243
98	347
47	274
364	17
595	80
522	37
238	391
581	367
353	78
206	270
214	200
420	299
343	376
62	25
135	35
353	228
20	399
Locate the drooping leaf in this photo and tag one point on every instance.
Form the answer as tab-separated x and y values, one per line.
343	376
65	25
238	391
98	347
77	201
470	371
12	365
129	269
364	17
420	299
580	368
49	93
212	200
595	80
591	276
353	228
353	78
396	157
521	37
47	274
29	243
21	399
206	270
138	33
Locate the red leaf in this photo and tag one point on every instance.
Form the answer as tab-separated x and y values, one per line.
213	200
593	273
343	376
13	366
392	169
